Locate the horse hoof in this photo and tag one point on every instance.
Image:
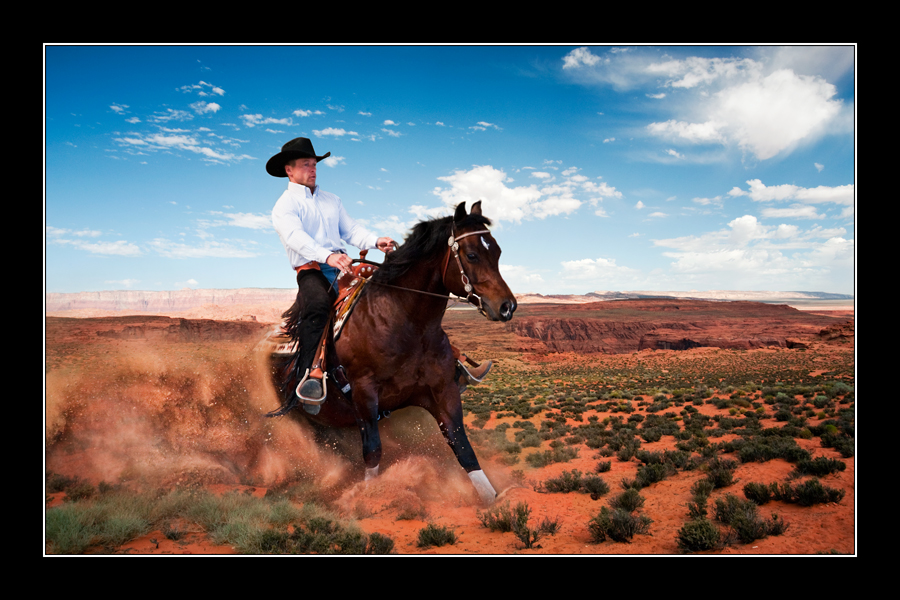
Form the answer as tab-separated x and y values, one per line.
312	409
484	488
371	473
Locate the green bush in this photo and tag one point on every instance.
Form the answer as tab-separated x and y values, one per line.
743	517
504	519
820	466
618	525
808	493
595	486
759	493
435	535
654	472
542	459
698	535
720	472
498	518
568	481
629	500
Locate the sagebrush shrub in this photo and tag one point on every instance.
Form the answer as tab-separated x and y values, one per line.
697	535
629	500
759	493
820	466
618	525
435	535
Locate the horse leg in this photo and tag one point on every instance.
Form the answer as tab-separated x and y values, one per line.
451	423
367	421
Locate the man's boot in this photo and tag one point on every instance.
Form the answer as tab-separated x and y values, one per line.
473	373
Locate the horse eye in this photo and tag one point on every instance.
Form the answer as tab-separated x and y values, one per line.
472	256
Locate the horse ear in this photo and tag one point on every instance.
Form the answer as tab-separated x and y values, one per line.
476	208
460	212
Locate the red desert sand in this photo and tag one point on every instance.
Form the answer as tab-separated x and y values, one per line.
157	402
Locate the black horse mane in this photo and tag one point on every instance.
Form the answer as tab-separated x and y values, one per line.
425	240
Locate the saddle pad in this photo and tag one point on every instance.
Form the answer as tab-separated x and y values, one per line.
346	301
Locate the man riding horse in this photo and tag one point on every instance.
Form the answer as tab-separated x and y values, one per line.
311	224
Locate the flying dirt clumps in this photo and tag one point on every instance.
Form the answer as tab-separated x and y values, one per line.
160	418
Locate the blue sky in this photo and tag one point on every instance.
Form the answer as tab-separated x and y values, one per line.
604	168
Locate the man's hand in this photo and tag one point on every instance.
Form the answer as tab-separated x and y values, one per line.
386	244
339	261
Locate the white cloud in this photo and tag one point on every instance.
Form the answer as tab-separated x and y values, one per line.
505	203
246	220
769	115
392	226
117	248
759	192
750	255
202	107
580	57
520	279
203	89
306	113
819	167
500	202
797	211
170	141
599	273
697	133
334	131
693	71
257	119
763	107
333	161
599	191
207	249
171	115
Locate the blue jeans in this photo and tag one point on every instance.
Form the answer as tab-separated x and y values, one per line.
330	273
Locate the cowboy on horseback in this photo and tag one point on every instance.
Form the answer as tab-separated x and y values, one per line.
312	224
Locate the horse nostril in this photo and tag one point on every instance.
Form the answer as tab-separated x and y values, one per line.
507	309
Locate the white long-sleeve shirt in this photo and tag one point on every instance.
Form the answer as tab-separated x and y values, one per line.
311	225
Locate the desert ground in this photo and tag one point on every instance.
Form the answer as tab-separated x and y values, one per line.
151	406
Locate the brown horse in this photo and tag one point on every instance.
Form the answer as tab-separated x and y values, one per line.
394	349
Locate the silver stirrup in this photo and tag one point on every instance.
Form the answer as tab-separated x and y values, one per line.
311	401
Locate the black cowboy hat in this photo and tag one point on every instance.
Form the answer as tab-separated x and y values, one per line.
299	147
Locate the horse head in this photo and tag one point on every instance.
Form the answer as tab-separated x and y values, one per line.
477	256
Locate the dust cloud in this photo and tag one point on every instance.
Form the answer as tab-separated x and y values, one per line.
154	418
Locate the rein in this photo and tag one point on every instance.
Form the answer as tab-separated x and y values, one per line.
453	244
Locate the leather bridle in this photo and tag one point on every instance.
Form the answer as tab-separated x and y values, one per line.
453	242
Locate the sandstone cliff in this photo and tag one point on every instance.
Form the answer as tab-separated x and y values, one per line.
149	302
633	325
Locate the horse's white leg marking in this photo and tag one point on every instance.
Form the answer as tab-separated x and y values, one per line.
483	486
372	473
